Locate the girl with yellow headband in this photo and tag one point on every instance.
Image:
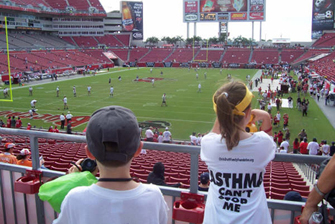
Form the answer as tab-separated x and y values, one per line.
236	159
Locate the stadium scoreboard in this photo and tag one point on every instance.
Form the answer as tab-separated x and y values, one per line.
223	10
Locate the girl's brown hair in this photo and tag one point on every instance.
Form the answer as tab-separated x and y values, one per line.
226	98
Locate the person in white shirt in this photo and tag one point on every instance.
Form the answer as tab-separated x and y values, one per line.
150	70
235	160
153	82
65	103
199	88
74	91
57	91
160	137
149	135
33	103
193	138
164	100
68	117
111	93
197	76
199	139
325	148
88	90
284	145
313	147
167	136
30	91
62	121
278	117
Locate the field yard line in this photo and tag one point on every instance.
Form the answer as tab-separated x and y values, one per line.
66	79
151	118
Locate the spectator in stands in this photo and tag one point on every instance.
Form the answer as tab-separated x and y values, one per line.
227	140
51	129
294	196
62	121
303	146
325	149
193	138
23	158
332	149
296	146
12	122
157	176
56	129
324	185
167	136
160	137
2	124
280	137
113	140
69	128
9	120
313	147
28	126
7	156
149	135
18	123
302	134
204	182
285	145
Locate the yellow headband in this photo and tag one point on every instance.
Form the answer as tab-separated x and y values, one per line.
239	108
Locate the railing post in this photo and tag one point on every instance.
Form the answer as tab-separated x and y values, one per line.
36	165
194	173
34	152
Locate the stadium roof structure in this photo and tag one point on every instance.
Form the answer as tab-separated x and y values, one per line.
57	7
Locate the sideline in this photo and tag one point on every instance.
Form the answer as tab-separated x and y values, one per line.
65	78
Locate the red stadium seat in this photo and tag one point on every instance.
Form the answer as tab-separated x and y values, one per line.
274	195
280	190
279	181
280	185
300	187
182	180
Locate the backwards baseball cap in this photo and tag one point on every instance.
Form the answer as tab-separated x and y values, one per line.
113	124
24	152
204	178
9	145
294	196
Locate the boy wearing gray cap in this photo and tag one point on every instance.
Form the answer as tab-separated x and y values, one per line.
113	139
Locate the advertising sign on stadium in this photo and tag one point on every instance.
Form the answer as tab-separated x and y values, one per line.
238	16
223	10
207	17
322	17
256	16
223	16
223	5
132	18
191	9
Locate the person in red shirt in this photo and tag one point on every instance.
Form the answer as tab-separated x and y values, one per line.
56	130
285	117
303	147
275	137
28	126
18	123
280	137
296	146
51	129
9	121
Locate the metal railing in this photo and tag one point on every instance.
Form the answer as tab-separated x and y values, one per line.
292	209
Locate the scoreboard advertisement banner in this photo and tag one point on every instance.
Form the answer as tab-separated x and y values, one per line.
323	17
132	18
224	10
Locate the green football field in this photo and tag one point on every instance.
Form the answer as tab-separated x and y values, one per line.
187	111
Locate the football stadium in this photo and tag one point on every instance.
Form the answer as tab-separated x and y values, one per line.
234	129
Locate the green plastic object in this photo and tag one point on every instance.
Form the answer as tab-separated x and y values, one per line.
55	191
